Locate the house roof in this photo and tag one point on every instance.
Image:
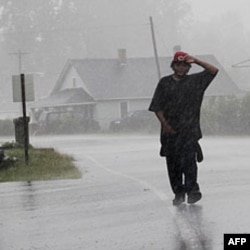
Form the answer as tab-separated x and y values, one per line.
107	79
74	96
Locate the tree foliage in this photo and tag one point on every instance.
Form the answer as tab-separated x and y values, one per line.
226	116
54	30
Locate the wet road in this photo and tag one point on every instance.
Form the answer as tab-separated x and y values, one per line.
124	202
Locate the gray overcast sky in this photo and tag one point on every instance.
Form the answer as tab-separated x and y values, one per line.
204	10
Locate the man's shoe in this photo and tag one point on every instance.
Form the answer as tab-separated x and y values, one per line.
179	199
193	197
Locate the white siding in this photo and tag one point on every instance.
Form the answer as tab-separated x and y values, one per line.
139	104
107	111
69	80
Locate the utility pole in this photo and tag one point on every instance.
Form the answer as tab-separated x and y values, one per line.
155	48
19	54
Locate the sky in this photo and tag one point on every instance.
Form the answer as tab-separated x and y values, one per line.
205	10
203	13
235	50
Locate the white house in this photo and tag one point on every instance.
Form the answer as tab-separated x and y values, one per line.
107	89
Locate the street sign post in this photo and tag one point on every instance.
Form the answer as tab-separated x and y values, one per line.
23	90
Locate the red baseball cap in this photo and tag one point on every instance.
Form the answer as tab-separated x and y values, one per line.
179	56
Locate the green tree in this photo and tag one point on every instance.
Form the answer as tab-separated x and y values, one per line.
222	116
244	114
228	115
53	31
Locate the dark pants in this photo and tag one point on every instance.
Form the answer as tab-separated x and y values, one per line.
181	153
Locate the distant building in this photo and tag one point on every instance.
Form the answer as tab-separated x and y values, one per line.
107	89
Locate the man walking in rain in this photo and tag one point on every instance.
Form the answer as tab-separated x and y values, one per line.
177	102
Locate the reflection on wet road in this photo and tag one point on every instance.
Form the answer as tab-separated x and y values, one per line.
29	199
124	202
192	228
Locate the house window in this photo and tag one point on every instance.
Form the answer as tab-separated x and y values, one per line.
124	108
74	83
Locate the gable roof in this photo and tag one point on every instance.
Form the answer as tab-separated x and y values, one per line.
74	96
107	79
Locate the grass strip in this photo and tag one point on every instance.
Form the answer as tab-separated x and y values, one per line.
44	164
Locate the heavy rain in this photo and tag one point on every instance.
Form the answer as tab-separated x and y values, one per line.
91	68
